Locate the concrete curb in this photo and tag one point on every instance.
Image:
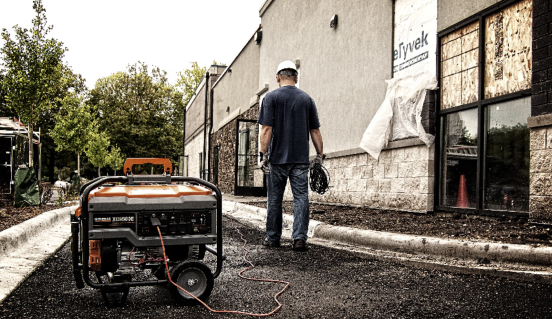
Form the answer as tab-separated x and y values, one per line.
410	244
413	244
18	235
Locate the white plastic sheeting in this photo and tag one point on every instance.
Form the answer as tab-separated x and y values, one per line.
402	110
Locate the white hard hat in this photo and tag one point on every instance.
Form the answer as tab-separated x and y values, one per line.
286	65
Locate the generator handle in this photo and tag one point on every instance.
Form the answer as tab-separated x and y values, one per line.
219	254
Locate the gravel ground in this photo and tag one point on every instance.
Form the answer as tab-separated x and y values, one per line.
325	283
457	226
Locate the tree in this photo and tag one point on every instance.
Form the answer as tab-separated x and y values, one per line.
140	111
97	149
116	159
34	72
189	80
73	126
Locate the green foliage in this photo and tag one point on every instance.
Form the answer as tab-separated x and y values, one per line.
63	173
74	123
140	112
189	80
98	149
116	159
34	74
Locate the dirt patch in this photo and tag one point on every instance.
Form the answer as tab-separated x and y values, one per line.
455	226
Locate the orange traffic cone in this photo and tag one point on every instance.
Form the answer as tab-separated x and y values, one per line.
462	200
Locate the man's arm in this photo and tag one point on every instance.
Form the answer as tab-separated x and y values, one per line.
317	141
266	135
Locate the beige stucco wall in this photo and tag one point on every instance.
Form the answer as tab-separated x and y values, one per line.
235	89
195	113
450	12
193	148
343	69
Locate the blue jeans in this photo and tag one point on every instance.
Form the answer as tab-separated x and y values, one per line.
299	180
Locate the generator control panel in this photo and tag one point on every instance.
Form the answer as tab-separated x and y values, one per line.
175	223
170	223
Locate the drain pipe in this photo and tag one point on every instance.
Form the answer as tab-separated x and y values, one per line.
202	175
209	136
183	144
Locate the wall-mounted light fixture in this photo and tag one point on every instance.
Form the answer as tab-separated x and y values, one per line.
258	36
228	109
229	70
333	22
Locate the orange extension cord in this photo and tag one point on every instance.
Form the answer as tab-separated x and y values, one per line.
241	276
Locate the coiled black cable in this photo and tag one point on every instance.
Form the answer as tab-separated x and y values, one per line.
319	179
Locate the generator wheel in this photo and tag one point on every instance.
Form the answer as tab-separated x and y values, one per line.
195	277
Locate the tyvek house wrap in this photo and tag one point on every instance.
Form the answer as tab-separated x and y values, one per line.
406	96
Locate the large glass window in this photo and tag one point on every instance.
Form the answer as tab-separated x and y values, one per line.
485	76
459	160
507	156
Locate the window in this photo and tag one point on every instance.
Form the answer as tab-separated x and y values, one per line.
216	164
485	81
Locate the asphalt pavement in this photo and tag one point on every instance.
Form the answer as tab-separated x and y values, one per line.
24	247
323	283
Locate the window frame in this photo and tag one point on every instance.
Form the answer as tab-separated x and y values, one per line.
480	104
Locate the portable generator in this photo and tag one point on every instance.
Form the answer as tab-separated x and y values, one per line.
118	229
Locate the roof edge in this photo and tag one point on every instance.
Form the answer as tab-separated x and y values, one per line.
264	7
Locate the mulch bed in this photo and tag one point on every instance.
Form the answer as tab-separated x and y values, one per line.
11	216
454	226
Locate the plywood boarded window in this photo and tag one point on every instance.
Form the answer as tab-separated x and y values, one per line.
459	66
508	55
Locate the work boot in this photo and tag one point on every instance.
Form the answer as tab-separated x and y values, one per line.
299	245
269	243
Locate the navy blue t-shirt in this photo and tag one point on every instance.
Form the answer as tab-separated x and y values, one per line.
292	114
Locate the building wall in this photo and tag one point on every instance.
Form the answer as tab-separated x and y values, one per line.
343	69
450	12
235	90
193	148
540	203
402	179
195	121
225	139
195	114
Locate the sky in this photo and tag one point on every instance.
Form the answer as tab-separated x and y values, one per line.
103	37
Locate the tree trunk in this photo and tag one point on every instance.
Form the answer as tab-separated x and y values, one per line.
78	163
99	173
31	150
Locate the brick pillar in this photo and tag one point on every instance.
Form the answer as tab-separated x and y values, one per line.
540	122
541	100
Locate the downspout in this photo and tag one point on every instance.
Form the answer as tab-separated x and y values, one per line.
210	132
202	174
183	144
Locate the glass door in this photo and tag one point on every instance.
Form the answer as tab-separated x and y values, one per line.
250	180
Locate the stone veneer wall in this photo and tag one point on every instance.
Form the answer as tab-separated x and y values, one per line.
540	198
401	179
225	138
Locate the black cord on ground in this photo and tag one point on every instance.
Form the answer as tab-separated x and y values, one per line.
319	179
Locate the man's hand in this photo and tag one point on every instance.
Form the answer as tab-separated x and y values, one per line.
318	159
264	163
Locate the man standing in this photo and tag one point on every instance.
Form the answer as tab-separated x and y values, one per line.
288	116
